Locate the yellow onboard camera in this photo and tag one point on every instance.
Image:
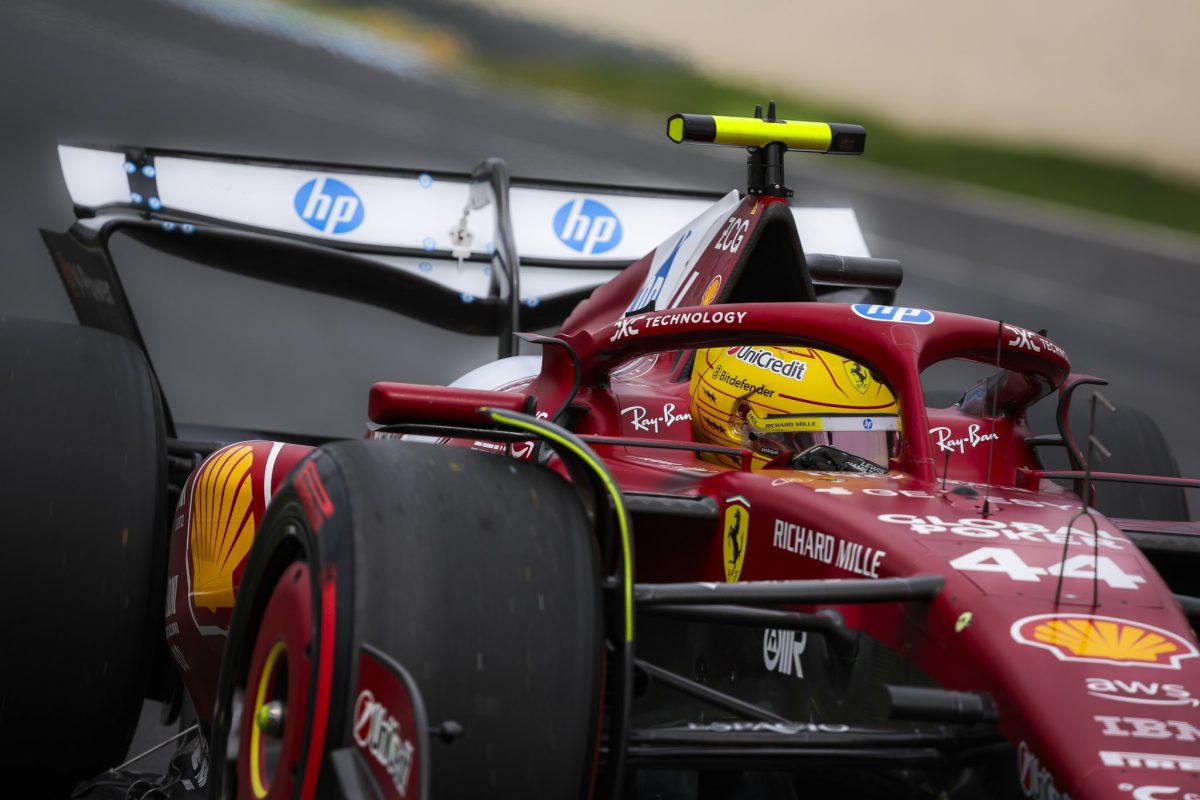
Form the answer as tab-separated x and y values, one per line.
768	139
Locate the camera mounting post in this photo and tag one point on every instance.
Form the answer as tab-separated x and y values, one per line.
766	140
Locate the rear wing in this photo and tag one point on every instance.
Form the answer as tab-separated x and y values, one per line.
438	247
373	210
363	209
424	244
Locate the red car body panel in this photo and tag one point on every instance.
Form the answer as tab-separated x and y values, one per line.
1101	699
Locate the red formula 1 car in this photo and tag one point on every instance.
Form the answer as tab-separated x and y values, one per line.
714	541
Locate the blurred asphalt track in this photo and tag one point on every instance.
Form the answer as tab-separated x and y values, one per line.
232	351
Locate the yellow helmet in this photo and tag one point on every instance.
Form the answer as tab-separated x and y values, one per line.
793	406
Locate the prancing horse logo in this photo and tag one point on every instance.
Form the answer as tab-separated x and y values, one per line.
860	379
737	525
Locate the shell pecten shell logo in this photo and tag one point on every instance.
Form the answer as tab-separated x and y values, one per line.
1105	640
222	526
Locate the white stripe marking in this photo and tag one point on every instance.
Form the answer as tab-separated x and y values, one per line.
680	294
270	471
303	27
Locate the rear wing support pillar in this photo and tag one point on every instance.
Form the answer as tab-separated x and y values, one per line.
489	186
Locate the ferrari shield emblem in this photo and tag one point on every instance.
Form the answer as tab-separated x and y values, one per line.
860	379
737	525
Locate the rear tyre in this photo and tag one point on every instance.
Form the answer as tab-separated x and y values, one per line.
477	574
82	488
1139	447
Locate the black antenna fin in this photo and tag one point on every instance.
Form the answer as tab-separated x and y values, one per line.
758	110
1086	511
770	111
992	414
1094	442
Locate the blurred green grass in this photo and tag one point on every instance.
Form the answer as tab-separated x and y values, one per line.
1103	186
659	88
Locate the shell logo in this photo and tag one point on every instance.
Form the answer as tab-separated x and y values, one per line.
222	526
1105	640
710	291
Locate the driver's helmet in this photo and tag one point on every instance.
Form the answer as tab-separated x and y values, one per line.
781	402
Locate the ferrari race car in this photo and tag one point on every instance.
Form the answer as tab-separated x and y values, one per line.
708	539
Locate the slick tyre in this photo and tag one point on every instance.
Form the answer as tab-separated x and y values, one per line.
82	488
472	575
1139	447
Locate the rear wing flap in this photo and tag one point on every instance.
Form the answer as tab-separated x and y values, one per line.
425	244
556	223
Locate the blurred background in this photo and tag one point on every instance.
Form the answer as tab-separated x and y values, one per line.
1034	162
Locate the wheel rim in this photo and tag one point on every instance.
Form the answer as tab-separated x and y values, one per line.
276	696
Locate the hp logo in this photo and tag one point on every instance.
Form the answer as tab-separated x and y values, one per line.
911	316
587	226
329	205
868	423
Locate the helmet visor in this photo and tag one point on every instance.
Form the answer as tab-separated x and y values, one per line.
874	438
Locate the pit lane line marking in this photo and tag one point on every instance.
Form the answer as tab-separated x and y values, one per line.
312	30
